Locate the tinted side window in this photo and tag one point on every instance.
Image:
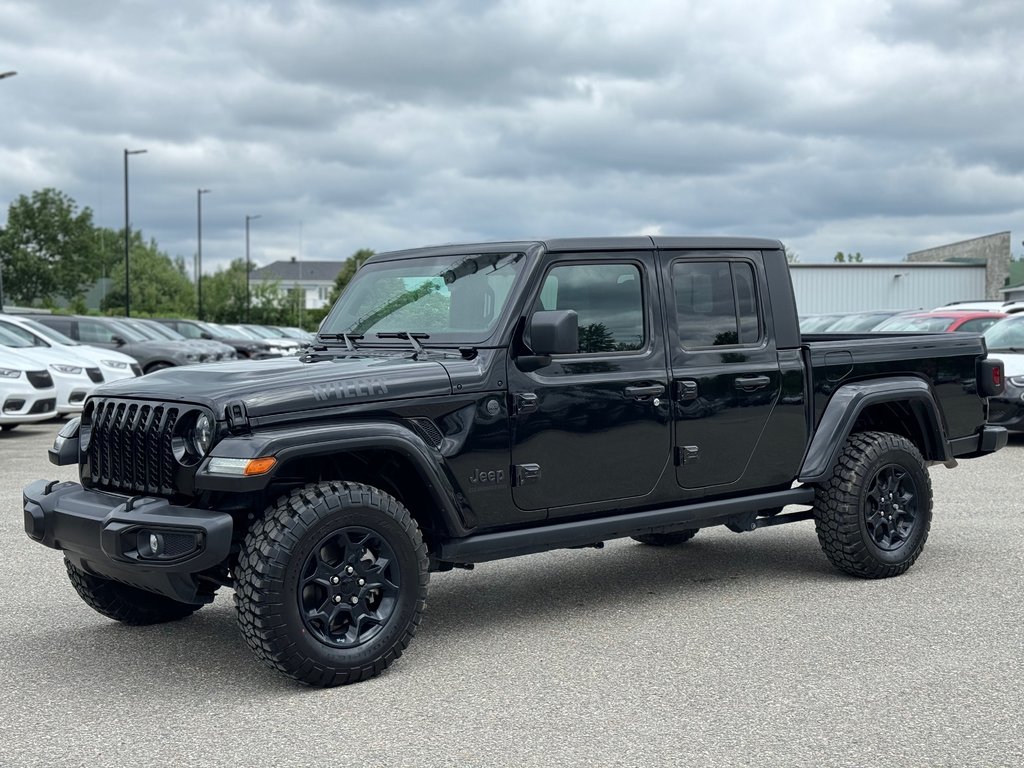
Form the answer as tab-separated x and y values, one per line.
608	299
60	324
91	331
716	303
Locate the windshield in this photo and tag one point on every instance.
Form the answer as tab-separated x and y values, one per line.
260	332
448	297
48	333
10	339
859	322
934	324
162	331
242	332
31	339
142	330
1006	334
129	334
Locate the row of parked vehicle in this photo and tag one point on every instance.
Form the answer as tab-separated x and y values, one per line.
49	364
1000	322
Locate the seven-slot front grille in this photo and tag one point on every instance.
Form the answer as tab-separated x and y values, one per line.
131	446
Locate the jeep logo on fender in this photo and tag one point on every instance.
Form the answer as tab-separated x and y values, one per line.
487	477
352	388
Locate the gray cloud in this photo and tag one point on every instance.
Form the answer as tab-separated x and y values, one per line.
876	127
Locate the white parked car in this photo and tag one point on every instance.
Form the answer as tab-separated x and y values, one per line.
74	377
27	393
113	365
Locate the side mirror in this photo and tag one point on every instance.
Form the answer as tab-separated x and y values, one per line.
555	332
118	340
205	335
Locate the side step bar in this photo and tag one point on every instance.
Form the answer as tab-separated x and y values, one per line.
580	533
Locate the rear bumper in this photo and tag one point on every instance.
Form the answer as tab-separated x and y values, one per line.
988	440
111	535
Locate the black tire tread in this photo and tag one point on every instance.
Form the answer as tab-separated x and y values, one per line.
126	604
259	576
837	512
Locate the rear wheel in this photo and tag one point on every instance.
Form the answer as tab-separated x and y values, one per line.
331	584
672	539
874	513
125	604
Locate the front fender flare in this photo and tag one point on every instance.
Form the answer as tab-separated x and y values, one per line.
847	404
302	441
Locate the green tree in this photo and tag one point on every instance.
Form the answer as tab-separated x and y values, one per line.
48	249
224	298
848	258
348	271
160	285
224	294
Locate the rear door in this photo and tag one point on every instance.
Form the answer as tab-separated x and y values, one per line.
724	366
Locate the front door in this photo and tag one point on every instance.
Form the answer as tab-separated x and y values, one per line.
594	426
725	368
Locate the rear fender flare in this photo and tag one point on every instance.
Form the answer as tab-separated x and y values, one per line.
847	404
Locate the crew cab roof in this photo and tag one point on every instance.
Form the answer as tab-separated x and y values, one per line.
569	244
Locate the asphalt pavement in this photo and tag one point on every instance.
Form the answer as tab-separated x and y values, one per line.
731	650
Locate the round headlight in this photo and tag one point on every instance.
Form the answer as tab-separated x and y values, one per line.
202	434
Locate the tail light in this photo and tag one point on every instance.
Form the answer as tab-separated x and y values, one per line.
990	378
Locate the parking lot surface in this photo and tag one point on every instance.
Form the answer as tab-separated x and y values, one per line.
732	650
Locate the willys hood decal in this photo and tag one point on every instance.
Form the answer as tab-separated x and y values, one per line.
290	384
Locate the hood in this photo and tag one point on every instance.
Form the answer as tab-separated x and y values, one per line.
47	356
13	359
289	384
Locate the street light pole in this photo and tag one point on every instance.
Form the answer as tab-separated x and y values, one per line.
248	268
199	248
3	75
127	237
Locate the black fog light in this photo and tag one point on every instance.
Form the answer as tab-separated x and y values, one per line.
166	545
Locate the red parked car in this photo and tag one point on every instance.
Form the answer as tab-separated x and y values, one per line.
942	322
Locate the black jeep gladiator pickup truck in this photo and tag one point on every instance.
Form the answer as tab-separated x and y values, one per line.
474	402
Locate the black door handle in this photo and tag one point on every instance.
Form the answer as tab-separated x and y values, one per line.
650	391
750	383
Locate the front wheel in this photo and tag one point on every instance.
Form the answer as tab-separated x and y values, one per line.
331	584
874	513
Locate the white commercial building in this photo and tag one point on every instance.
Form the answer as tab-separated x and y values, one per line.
826	288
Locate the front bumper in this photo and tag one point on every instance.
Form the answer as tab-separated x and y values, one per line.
109	535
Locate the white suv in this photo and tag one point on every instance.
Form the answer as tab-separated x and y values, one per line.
27	393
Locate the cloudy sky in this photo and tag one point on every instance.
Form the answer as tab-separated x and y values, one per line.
879	127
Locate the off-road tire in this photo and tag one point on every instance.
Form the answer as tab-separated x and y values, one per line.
876	473
286	563
125	604
673	539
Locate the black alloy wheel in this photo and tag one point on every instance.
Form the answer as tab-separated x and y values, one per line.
890	508
349	588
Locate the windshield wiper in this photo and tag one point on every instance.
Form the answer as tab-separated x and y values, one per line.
348	338
411	337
